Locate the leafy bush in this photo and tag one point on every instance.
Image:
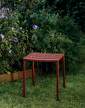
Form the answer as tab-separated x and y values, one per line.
25	31
73	8
14	43
57	35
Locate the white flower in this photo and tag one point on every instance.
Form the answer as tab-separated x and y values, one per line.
4	12
15	40
2	36
7	9
12	28
20	28
2	16
10	51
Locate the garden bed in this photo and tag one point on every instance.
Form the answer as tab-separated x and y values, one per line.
14	76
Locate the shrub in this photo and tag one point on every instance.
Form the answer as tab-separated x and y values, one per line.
56	34
26	31
14	44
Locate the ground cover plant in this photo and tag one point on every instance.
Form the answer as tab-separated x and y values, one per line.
43	94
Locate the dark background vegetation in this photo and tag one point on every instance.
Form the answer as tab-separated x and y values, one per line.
61	25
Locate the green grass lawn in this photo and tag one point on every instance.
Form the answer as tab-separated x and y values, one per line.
43	94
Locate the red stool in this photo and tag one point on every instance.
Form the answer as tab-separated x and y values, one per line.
43	57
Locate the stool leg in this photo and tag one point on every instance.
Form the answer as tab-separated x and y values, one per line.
64	77
24	80
37	68
33	73
50	70
57	78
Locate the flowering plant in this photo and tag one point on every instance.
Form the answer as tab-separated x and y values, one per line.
24	32
34	26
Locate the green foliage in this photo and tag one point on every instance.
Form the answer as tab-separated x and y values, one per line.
56	34
14	45
43	94
26	30
73	8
